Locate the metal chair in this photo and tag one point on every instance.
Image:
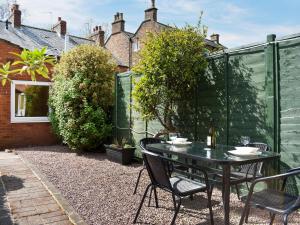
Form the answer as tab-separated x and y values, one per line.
246	173
143	143
275	201
178	186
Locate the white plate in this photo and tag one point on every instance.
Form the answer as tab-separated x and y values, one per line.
247	149
243	153
179	143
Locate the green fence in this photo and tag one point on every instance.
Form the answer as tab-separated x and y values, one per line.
252	90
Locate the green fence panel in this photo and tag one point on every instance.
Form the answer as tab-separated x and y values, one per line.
138	125
247	97
122	106
289	72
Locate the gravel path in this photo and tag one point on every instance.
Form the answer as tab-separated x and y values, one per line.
101	191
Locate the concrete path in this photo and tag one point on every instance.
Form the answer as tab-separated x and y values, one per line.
24	200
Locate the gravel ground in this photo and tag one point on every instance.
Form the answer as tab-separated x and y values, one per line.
101	191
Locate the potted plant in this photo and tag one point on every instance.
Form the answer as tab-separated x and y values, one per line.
120	151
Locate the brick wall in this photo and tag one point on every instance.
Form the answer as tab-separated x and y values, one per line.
119	45
141	34
19	134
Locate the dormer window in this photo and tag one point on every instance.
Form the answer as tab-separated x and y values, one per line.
136	45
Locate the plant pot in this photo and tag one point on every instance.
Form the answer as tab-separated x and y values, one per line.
120	155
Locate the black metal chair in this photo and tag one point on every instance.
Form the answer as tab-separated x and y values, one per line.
246	173
275	201
178	186
143	143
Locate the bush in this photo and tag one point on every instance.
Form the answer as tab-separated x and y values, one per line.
81	97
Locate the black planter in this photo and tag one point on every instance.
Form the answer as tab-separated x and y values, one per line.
120	155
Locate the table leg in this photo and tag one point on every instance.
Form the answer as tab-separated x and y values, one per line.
226	193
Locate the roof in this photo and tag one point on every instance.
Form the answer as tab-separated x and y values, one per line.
31	37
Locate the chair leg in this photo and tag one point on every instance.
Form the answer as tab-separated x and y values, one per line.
176	211
138	180
156	199
237	191
209	193
142	202
272	215
247	215
150	196
246	209
285	219
174	201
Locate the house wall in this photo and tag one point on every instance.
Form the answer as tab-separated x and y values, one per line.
141	34
119	45
19	134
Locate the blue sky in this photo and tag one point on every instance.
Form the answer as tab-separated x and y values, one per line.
237	21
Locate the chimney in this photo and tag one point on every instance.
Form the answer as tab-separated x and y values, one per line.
119	24
60	27
151	13
215	38
97	36
15	16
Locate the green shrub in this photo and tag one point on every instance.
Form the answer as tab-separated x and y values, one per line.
81	97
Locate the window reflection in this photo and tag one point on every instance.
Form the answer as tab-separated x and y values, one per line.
31	100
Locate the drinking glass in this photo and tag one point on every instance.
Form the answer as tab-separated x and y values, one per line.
245	140
172	136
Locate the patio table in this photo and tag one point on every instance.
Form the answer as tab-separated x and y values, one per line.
198	152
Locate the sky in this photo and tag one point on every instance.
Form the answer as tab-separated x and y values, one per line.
238	22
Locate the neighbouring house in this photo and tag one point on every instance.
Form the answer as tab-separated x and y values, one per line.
125	45
23	119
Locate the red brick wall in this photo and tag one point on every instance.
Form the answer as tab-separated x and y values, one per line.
19	134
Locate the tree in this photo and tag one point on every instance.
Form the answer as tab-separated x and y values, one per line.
171	62
81	97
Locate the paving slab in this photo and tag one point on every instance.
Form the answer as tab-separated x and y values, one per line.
24	198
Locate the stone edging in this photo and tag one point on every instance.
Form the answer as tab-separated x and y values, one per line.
61	201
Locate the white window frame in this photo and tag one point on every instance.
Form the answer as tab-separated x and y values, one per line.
136	45
13	117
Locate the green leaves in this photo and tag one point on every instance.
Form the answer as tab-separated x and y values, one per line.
34	62
171	63
5	72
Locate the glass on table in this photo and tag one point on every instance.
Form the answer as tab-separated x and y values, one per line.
172	136
245	140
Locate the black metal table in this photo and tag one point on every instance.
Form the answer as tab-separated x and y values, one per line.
219	155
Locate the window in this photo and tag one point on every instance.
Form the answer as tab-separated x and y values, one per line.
29	101
136	45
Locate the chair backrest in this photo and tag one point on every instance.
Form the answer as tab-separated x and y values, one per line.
157	169
145	141
250	168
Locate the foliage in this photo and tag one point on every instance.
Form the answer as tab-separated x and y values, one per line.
121	143
171	62
81	97
5	71
33	63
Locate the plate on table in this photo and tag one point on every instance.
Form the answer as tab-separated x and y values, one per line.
243	153
247	149
177	143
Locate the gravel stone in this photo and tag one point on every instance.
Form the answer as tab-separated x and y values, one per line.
101	191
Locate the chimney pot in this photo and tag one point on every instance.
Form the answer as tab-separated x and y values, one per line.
15	17
60	27
97	36
119	24
151	13
215	38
